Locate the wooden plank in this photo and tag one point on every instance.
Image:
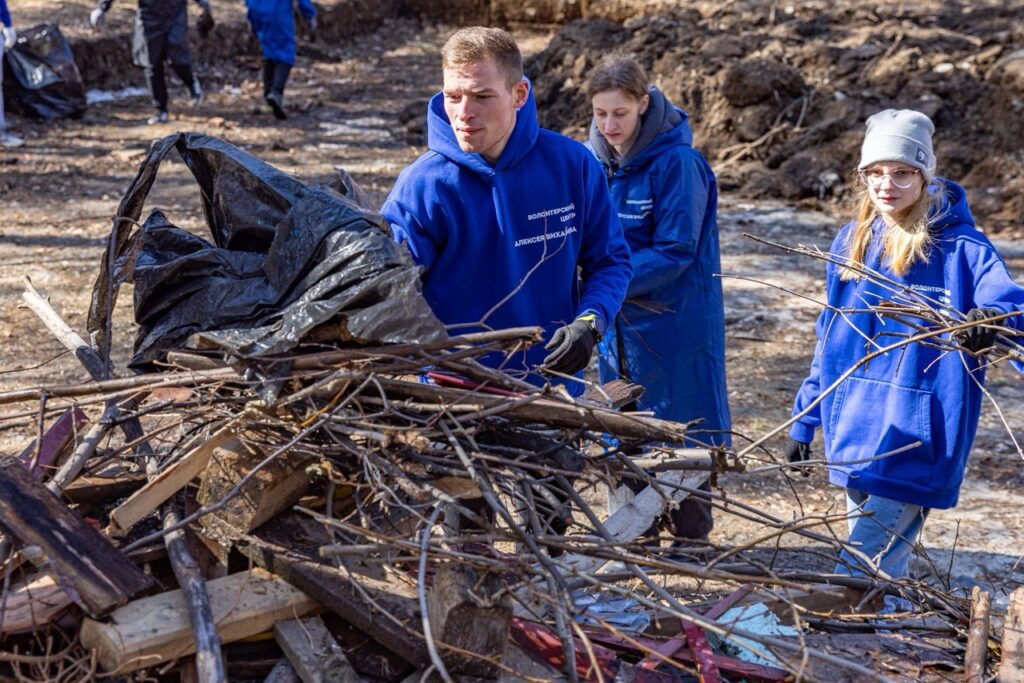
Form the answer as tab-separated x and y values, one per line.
32	603
168	482
55	440
730	665
1011	668
313	652
78	556
700	648
156	629
544	645
85	490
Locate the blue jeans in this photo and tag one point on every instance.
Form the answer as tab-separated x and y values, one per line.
883	532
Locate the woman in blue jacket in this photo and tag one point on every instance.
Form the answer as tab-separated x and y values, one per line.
898	430
274	26
670	334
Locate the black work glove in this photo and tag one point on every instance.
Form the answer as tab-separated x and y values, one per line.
573	344
797	452
976	338
205	23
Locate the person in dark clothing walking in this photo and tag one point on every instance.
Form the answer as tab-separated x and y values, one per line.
274	25
161	35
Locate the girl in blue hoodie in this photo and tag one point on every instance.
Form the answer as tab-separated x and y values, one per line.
898	430
669	336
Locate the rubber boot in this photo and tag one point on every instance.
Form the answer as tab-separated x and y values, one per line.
275	98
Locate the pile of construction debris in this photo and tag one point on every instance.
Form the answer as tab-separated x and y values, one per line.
383	527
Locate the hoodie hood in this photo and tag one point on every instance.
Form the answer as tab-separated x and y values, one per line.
663	124
952	209
441	137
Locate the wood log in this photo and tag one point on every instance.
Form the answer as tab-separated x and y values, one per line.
459	616
542	410
79	557
275	487
313	652
1011	668
977	636
156	629
87	490
168	482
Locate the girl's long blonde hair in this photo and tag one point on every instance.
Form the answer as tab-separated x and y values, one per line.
908	241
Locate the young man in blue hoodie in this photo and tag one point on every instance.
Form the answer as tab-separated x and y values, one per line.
512	224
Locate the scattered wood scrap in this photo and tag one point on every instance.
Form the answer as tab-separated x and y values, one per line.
156	629
54	538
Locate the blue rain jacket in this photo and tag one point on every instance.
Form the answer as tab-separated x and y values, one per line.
273	23
670	334
5	15
915	393
505	241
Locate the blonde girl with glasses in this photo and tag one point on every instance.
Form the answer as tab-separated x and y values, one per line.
898	431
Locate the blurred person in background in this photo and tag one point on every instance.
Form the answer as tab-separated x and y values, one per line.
161	35
8	36
273	23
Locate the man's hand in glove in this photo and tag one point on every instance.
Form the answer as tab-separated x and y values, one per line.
797	452
96	18
977	338
10	37
205	23
571	346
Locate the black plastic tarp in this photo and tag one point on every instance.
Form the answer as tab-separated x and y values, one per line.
41	79
287	259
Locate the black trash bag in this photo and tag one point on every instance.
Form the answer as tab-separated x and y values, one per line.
41	79
289	262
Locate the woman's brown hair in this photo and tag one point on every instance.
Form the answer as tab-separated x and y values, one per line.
619	73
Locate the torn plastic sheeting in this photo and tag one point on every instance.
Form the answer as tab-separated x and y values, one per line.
754	618
288	258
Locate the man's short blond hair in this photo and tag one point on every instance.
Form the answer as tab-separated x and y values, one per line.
476	44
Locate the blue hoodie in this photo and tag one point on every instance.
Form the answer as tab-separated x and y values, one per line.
506	239
916	392
670	334
273	22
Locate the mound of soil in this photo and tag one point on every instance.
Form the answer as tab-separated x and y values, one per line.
778	94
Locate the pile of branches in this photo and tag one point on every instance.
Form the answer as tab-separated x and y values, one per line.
443	520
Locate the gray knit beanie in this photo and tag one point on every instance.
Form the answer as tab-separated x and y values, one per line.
899	135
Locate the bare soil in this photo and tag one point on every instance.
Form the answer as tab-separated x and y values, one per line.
353	105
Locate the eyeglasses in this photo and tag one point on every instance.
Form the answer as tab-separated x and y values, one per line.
900	177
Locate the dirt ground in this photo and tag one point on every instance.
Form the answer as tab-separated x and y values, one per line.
350	102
